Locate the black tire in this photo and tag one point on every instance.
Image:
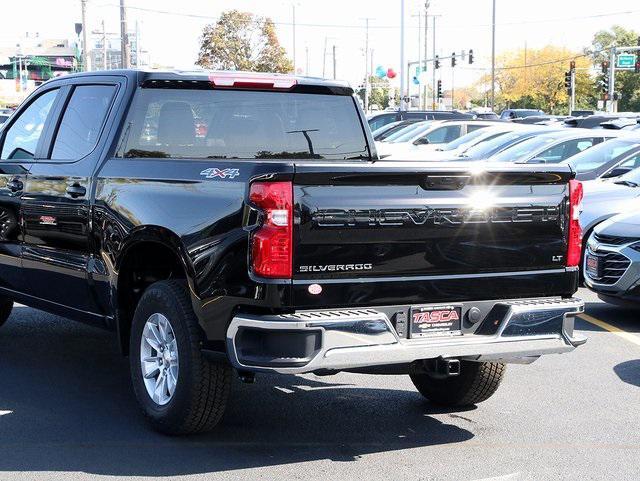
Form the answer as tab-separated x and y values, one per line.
202	388
6	306
477	382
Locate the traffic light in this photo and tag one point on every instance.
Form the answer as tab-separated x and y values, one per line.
604	83
572	65
605	66
470	56
436	63
453	59
568	81
439	89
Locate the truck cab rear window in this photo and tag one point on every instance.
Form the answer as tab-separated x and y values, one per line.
234	124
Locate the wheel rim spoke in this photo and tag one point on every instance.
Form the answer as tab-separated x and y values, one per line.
159	359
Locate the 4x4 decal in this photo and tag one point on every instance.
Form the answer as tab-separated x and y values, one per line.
213	172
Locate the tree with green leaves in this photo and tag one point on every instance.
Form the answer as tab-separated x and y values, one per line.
242	41
380	92
627	83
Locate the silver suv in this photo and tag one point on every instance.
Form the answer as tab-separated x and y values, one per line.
612	259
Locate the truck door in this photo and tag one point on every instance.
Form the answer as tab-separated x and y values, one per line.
21	140
56	201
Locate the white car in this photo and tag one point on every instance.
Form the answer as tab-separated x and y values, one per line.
427	138
452	150
555	146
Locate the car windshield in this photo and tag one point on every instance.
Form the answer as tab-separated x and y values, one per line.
491	146
524	149
385	128
630	178
599	155
408	132
465	139
390	129
527	113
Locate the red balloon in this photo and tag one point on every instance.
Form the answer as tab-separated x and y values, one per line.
391	73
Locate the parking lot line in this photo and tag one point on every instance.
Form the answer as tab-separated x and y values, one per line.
613	329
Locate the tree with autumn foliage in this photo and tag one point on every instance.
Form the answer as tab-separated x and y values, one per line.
242	41
534	78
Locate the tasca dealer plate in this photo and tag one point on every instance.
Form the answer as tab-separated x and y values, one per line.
433	321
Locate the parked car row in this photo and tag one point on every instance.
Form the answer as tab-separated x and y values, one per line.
605	157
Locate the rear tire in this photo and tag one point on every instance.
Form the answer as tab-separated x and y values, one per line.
200	386
477	382
6	306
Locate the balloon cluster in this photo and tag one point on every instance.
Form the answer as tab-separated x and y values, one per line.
381	72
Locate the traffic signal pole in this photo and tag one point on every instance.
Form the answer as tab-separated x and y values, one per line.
572	97
611	105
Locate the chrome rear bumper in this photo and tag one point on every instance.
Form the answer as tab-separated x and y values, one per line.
306	341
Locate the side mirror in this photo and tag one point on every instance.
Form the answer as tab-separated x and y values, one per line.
616	172
421	141
537	160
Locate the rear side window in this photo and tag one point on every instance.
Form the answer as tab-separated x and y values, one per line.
444	134
82	121
234	124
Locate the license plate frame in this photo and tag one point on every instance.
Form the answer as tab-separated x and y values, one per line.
593	266
440	320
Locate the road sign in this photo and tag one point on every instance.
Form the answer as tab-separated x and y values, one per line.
626	60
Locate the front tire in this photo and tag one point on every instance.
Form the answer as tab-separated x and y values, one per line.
179	390
477	382
6	306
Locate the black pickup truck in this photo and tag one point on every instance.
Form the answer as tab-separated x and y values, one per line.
225	221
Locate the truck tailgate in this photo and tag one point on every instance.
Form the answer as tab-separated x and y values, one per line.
390	222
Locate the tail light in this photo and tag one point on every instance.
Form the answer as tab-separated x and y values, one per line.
272	243
574	243
252	81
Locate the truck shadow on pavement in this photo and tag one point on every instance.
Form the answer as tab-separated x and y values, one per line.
629	372
66	405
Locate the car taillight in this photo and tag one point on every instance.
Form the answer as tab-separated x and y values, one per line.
272	243
574	242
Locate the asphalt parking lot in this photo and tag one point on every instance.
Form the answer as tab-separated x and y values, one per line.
66	409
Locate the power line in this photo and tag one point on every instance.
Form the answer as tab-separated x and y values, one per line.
540	64
355	26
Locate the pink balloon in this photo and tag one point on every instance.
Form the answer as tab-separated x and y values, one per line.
391	73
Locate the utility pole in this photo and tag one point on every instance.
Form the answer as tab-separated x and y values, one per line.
366	65
403	67
419	69
426	25
433	47
293	7
493	57
306	61
452	87
324	58
85	46
137	45
104	47
334	61
124	37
